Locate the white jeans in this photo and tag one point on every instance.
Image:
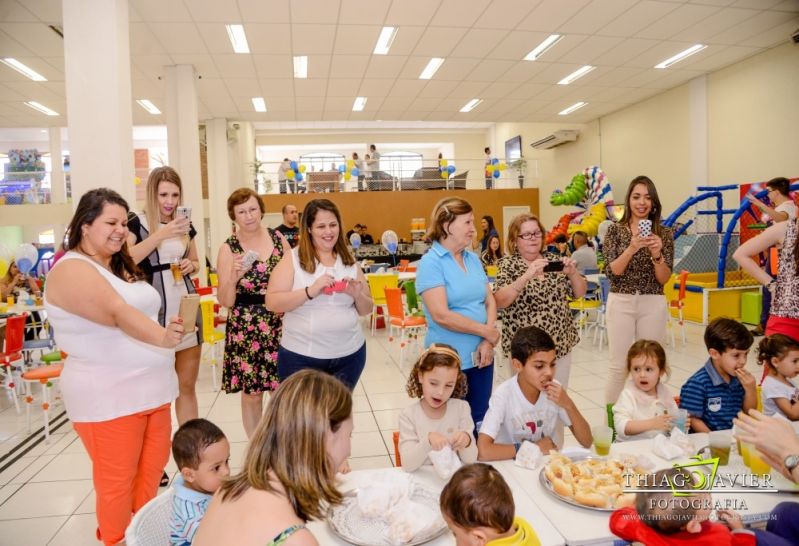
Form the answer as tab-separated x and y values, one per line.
631	317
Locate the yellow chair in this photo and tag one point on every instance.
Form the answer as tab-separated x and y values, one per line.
583	306
378	282
212	338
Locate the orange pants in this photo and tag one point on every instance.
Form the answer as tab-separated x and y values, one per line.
128	456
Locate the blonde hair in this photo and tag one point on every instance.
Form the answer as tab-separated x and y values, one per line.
445	212
290	442
151	209
438	354
515	227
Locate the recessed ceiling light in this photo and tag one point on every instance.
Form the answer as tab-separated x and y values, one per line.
471	105
149	106
237	38
23	69
385	40
359	104
41	108
541	48
431	68
681	55
576	75
572	108
259	104
301	66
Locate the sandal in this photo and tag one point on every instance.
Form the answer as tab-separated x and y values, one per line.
164	480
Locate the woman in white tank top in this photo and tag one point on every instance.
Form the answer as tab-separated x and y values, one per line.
322	291
118	380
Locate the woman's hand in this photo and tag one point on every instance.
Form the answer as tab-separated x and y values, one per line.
569	266
320	284
637	243
173	333
186	267
354	287
437	441
237	267
176	228
769	434
655	245
460	440
535	269
486	353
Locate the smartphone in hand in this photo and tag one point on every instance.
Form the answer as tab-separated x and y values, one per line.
189	306
553	267
183	212
644	227
250	257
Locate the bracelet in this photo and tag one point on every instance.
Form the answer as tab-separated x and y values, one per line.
307	294
771	283
658	260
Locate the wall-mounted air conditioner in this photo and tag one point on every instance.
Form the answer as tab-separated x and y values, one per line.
556	139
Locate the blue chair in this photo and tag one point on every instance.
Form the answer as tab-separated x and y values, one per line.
600	325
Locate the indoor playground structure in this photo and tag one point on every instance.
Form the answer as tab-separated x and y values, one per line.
591	193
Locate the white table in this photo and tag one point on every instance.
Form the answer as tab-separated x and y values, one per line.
581	526
525	507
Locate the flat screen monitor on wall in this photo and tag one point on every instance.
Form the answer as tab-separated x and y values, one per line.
513	148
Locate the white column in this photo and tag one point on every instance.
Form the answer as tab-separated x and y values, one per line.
246	154
97	62
183	141
58	192
698	133
219	183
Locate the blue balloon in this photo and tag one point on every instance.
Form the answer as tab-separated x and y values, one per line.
496	174
451	169
342	168
495	161
293	166
355	171
392	247
24	265
298	177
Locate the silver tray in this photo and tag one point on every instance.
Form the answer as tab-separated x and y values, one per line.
568	500
348	523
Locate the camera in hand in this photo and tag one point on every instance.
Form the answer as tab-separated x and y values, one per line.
553	267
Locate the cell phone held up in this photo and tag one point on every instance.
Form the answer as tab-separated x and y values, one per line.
189	306
553	267
644	228
183	212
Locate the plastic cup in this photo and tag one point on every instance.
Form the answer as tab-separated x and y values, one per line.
681	420
177	275
3	307
10	301
744	449
603	437
720	441
757	464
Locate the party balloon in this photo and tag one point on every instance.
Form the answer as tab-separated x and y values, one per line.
137	180
302	168
3	267
444	174
390	241
496	174
355	241
356	172
443	163
495	161
299	177
5	259
293	165
502	166
342	168
350	164
347	176
290	174
451	169
26	257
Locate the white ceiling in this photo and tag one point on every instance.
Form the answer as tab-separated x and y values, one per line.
483	42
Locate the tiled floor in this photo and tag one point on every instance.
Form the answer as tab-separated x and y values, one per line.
46	497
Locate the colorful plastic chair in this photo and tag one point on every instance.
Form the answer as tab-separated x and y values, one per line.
378	282
397	459
678	304
398	319
11	359
411	297
212	338
45	376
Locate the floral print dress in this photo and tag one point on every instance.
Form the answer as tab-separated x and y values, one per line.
253	333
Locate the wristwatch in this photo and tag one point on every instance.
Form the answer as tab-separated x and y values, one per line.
791	462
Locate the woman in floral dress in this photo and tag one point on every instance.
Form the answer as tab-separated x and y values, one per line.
253	333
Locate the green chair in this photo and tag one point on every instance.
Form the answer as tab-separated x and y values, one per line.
609	408
411	297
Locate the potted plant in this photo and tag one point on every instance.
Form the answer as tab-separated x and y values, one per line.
256	166
520	166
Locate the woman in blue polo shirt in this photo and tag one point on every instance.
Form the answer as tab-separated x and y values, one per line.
457	299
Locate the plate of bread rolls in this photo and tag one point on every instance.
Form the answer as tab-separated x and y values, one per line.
596	483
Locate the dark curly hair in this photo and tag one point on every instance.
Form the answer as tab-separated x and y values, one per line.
438	354
775	346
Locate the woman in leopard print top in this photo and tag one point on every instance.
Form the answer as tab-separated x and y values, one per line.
637	268
530	297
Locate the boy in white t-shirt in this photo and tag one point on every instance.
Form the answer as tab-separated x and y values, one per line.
518	412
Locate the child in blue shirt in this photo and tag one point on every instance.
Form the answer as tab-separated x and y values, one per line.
201	452
716	393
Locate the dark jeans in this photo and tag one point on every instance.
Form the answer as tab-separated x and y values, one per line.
479	381
488	182
765	309
782	528
362	183
347	368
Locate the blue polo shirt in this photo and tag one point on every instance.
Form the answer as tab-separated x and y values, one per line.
466	293
707	396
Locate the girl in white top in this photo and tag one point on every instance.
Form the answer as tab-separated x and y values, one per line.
645	407
779	355
119	378
322	291
437	420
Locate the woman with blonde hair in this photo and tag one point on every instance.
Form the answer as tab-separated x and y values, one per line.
158	240
322	291
457	299
289	470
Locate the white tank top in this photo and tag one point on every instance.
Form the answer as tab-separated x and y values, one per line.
326	326
108	374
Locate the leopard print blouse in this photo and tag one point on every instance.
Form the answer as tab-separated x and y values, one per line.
543	303
786	294
639	277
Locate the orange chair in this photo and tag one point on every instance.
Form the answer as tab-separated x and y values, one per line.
12	353
397	459
678	304
403	265
44	375
398	319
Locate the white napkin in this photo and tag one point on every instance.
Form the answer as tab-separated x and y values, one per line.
445	462
681	440
409	519
529	455
385	491
678	445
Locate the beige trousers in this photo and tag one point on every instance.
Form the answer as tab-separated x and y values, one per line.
631	317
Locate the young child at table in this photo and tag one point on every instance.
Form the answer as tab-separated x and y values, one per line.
646	406
528	406
201	452
720	389
437	420
662	519
477	505
779	355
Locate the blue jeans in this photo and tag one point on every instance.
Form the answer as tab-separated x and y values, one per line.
346	368
479	381
782	528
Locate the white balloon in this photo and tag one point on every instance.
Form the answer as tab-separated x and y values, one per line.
390	241
26	256
355	241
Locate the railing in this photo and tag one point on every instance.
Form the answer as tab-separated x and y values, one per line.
29	188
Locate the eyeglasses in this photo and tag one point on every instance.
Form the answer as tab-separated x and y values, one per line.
531	235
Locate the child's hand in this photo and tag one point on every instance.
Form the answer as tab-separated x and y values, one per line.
546	445
732	519
437	441
747	379
557	394
662	422
460	439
